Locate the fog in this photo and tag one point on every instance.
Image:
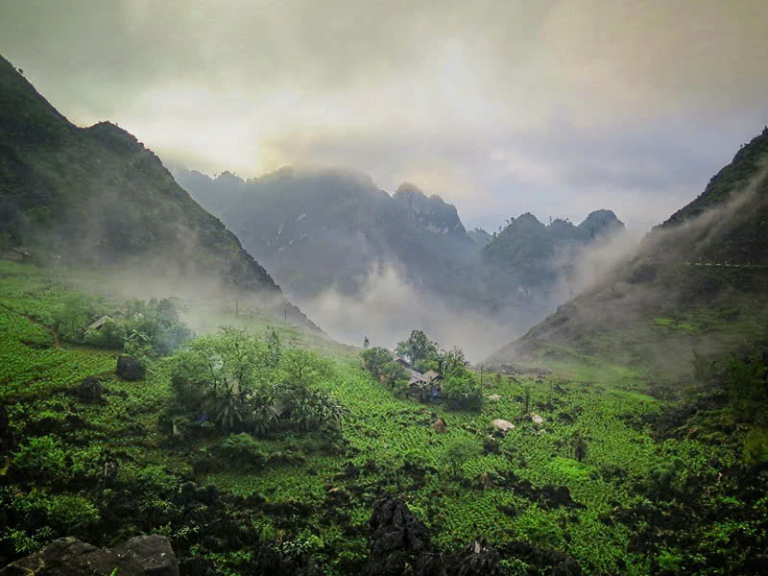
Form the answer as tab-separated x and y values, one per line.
388	306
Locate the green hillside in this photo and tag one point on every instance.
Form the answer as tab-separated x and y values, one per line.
96	197
129	460
697	284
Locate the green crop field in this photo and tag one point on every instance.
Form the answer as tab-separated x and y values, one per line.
524	486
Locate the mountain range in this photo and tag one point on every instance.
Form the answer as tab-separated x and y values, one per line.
330	230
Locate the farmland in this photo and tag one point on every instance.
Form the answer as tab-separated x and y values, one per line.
613	510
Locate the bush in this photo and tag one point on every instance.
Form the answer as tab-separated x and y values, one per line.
747	388
66	513
44	459
756	446
242	450
458	453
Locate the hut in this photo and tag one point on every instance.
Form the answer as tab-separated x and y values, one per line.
16	255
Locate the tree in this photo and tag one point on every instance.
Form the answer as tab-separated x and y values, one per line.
458	453
451	360
417	347
579	446
462	390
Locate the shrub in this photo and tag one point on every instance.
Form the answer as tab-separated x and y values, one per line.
44	458
242	450
756	446
458	453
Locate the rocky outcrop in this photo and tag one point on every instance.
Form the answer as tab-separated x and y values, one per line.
153	553
400	544
139	556
398	540
90	391
129	368
73	557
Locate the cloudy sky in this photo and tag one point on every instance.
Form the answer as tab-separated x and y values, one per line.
555	107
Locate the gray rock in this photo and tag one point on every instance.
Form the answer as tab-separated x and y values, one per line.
153	553
129	368
73	557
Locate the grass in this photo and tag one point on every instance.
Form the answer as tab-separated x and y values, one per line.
388	443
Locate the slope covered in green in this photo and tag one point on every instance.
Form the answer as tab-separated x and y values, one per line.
97	197
697	284
293	501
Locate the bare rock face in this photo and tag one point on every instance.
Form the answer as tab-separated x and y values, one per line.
477	559
129	368
398	540
153	553
72	557
140	556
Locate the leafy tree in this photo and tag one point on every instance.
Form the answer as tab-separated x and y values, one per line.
380	364
417	347
462	390
579	446
374	359
274	346
448	361
747	381
459	452
232	376
73	317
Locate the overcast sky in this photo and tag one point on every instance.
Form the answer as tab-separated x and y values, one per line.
501	107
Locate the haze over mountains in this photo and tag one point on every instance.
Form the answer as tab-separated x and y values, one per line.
696	284
364	262
97	198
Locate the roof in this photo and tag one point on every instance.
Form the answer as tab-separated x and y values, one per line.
431	375
100	322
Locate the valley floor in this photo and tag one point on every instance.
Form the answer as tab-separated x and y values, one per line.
661	488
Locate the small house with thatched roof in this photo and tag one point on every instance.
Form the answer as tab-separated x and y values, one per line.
16	255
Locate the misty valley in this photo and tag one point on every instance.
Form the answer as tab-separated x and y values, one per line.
304	373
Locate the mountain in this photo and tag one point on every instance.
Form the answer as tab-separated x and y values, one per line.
480	237
327	229
528	255
318	230
96	197
696	284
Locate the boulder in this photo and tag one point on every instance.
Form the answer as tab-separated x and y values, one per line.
90	391
502	425
153	553
477	559
537	419
439	426
128	368
494	398
196	566
73	557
